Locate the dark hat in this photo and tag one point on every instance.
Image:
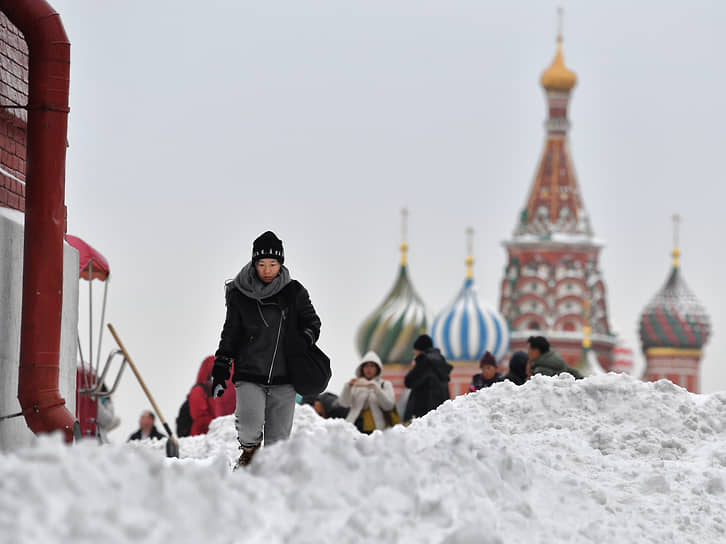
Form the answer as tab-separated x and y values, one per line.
487	359
423	343
268	246
518	363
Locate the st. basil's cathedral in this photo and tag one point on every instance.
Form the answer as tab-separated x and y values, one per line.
552	286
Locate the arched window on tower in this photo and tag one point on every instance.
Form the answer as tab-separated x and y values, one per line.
533	326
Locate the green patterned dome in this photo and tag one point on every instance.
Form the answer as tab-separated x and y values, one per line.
674	318
393	327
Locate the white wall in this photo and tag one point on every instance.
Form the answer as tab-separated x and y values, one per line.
14	432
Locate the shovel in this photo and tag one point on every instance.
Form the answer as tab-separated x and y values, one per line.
172	446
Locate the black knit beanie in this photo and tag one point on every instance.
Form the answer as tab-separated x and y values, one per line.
423	343
268	246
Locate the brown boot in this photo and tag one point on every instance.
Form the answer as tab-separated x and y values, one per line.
246	457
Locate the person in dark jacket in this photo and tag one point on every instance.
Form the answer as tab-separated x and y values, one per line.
517	368
147	429
428	379
542	360
263	306
327	406
488	374
201	403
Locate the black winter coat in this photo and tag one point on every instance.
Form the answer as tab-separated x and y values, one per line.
428	382
254	332
153	434
478	381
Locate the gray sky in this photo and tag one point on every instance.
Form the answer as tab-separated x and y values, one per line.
195	127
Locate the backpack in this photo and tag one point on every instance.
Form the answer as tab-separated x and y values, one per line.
184	418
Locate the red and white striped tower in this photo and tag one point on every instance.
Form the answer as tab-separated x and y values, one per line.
553	256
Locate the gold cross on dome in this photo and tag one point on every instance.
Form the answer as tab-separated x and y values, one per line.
676	239
470	253
404	236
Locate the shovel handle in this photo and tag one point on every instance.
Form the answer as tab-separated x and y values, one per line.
141	382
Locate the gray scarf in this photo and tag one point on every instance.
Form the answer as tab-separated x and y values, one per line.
252	286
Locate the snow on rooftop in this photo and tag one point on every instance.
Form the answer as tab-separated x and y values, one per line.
605	459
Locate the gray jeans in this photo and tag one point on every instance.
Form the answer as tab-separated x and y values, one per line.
263	411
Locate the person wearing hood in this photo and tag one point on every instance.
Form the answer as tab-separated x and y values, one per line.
264	304
428	379
542	360
369	396
488	375
201	402
517	368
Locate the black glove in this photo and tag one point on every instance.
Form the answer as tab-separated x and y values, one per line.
220	375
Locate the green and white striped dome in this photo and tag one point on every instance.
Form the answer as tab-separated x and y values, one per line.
393	327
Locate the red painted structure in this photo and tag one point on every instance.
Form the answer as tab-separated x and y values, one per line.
13	121
553	268
92	264
45	214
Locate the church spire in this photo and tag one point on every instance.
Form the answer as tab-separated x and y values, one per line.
404	237
676	253
469	253
558	77
555	205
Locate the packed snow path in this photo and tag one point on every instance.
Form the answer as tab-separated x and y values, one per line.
606	459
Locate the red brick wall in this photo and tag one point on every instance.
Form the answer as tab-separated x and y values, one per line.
13	131
681	369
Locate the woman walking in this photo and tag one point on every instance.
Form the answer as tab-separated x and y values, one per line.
263	306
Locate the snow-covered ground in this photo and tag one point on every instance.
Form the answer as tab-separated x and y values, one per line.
606	459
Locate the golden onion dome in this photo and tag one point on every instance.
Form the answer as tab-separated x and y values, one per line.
557	77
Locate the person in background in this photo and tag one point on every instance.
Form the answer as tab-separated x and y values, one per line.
147	429
368	395
201	403
265	306
488	374
327	406
542	360
517	368
428	379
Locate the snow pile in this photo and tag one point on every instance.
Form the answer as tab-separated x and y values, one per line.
606	459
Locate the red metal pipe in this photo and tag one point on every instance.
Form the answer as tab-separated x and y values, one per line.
45	212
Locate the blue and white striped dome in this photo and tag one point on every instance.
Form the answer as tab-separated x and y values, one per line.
468	328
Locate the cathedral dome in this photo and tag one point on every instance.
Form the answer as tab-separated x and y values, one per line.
558	77
393	327
674	318
468	327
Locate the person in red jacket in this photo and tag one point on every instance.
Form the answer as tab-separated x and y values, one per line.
201	403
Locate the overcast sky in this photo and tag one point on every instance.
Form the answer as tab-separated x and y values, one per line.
196	126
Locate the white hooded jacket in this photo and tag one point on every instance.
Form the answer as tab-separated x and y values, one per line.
376	394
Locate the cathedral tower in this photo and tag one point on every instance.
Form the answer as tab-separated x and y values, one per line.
553	271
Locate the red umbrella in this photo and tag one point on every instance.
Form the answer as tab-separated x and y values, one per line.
93	265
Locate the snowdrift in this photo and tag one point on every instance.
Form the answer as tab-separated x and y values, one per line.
605	459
